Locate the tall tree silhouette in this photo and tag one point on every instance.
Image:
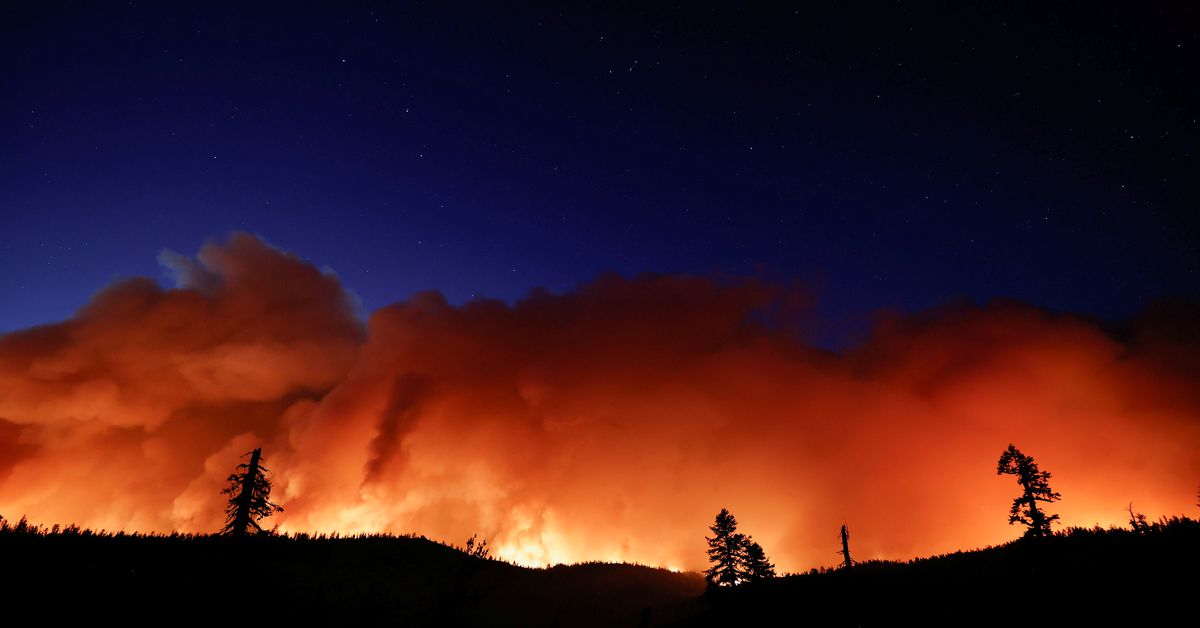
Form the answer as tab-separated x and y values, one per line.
847	562
726	550
1035	488
755	561
249	493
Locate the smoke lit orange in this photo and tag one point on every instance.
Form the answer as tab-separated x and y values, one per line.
607	423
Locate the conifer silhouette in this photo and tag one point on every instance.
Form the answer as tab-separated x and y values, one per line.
757	566
249	497
725	551
735	557
1035	488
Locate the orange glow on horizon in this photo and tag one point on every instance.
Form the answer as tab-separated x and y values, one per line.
609	423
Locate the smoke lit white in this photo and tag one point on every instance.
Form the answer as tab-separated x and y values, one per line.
608	423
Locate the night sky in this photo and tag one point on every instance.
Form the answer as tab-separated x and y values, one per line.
887	156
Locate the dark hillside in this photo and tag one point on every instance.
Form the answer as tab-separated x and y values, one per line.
1079	577
369	580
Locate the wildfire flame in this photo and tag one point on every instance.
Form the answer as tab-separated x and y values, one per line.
607	423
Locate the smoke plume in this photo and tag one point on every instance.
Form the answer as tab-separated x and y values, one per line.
611	422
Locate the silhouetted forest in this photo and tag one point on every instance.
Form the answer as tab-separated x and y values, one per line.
74	574
1075	577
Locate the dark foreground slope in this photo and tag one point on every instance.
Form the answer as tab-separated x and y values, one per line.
1078	578
1084	577
394	581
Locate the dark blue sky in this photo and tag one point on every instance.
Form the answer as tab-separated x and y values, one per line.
889	156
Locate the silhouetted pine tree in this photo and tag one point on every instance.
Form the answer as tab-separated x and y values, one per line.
1034	489
755	562
249	497
726	549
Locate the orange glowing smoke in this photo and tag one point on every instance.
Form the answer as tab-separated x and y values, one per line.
608	423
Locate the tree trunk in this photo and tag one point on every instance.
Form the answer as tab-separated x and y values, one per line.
241	521
846	548
1036	517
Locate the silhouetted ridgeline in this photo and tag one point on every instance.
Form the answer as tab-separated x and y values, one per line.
80	575
1077	577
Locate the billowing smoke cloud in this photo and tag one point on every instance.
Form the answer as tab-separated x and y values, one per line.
610	423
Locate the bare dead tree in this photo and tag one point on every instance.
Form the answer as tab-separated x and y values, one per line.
1137	520
847	562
